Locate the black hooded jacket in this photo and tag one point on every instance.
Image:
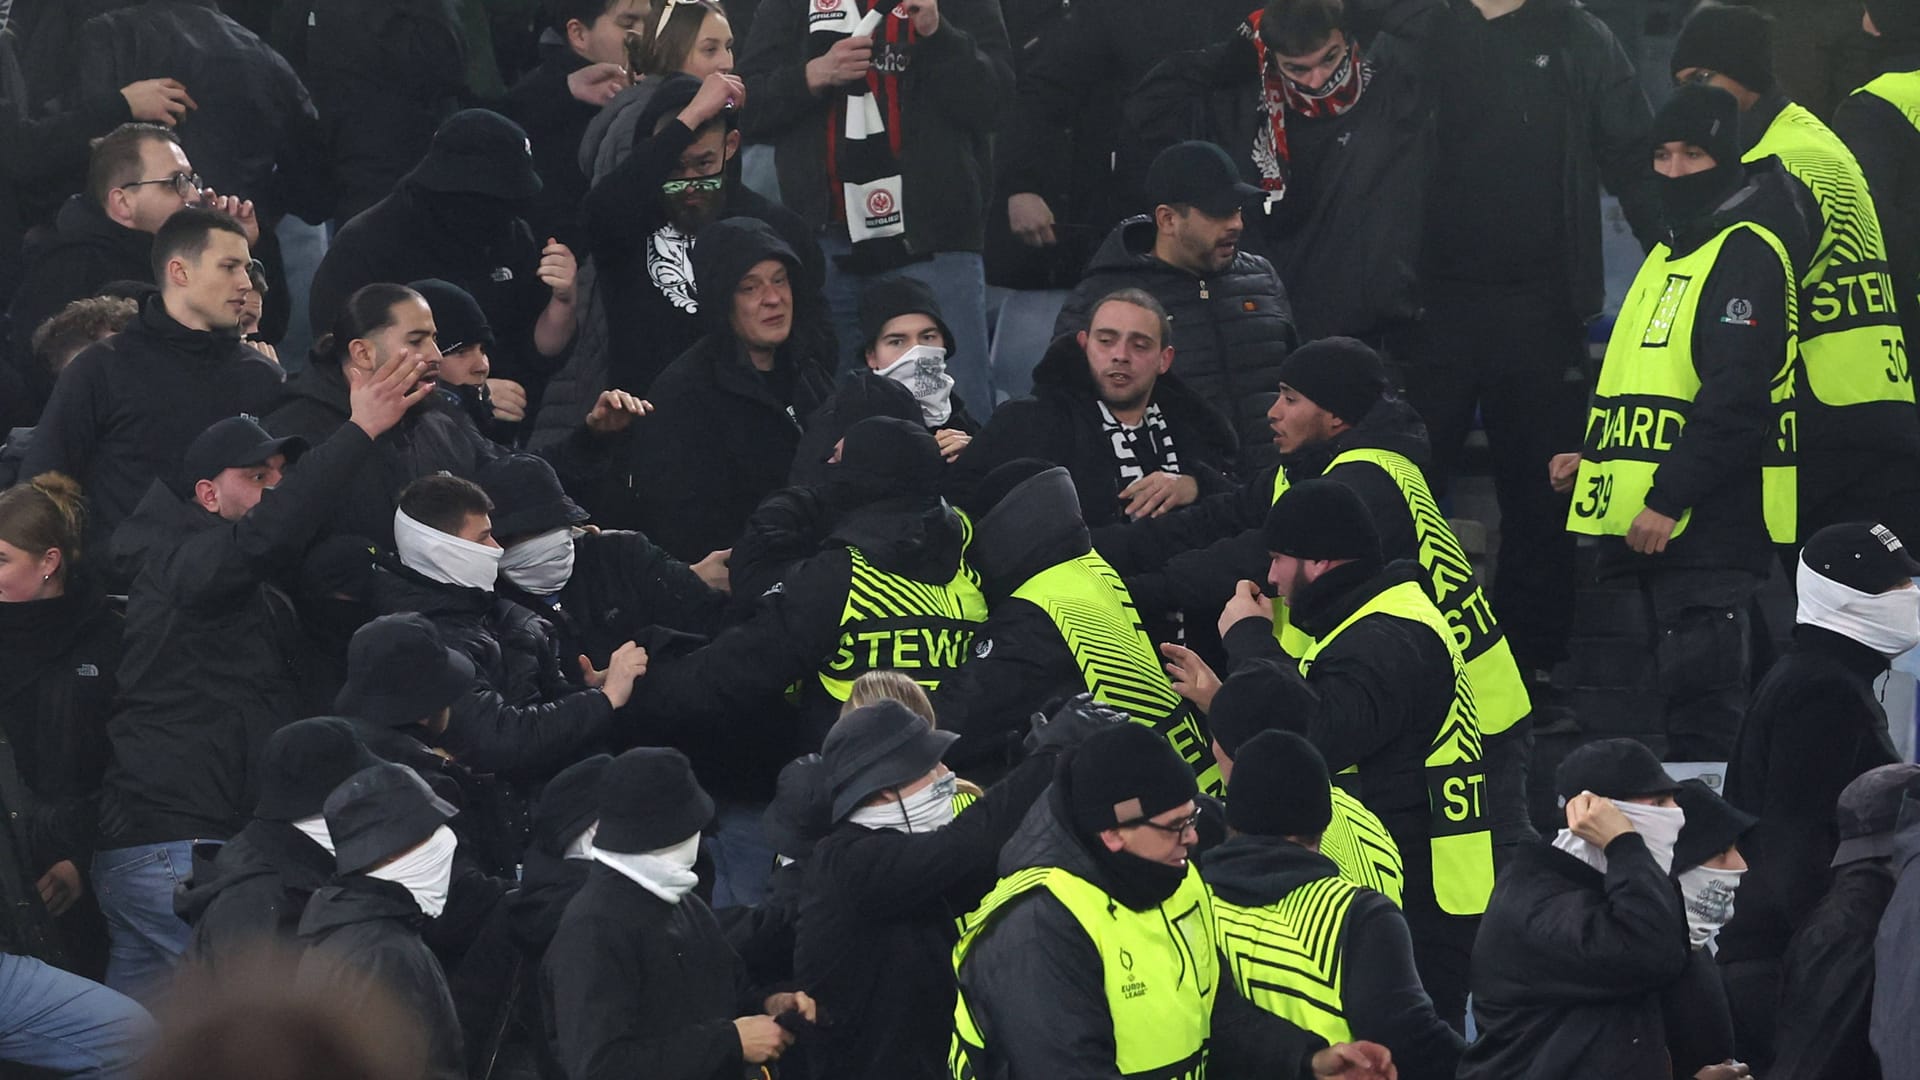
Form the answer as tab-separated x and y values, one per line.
213	655
723	434
1060	424
250	896
125	410
622	582
1230	330
1381	994
85	251
1822	1027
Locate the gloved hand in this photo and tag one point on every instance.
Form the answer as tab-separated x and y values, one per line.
1071	724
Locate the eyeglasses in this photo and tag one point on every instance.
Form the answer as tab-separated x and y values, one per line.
699	185
186	184
1177	828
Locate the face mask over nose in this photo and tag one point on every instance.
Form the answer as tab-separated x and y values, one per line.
1707	894
926	810
542	564
1888	622
923	371
444	557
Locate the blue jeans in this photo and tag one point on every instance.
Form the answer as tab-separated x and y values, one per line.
144	937
742	854
958	279
56	1020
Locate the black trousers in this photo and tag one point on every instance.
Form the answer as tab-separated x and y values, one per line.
1701	624
1518	358
1443	956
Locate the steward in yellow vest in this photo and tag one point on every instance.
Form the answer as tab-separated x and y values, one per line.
1852	409
1880	123
1095	955
1682	474
888	590
1383	692
1297	938
1335	418
1060	623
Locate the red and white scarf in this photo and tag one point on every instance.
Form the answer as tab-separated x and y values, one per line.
1278	94
866	129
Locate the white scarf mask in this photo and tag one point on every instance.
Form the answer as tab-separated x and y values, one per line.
315	829
666	873
923	370
1658	826
444	557
541	564
926	810
1707	894
1888	622
582	846
426	871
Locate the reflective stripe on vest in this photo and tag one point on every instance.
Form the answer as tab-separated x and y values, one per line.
1159	969
1852	351
1900	89
1291	638
1456	779
895	623
1286	957
1090	606
1363	849
1646	389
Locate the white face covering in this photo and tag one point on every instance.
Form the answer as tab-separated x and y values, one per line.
541	564
315	829
582	846
1708	896
1888	622
925	810
923	370
1658	826
426	871
444	557
666	873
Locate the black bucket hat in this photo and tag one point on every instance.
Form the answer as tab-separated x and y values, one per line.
302	764
380	812
876	747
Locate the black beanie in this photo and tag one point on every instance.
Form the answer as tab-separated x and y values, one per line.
1122	774
1732	39
1703	116
1340	374
1280	787
1322	519
1246	704
1000	483
884	457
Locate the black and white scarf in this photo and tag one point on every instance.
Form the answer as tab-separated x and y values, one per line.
865	132
1139	450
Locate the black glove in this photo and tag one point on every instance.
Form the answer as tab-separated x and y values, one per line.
1071	724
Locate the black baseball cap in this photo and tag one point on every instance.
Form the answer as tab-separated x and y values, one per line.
238	442
1861	555
1201	175
1869	810
1613	769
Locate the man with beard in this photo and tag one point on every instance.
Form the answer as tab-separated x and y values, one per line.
641	219
1136	439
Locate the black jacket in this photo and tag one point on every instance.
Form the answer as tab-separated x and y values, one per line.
255	132
1033	980
1569	965
1697	1017
384	74
1814	724
548	883
1381	994
878	925
722	437
125	410
407	236
1895	1039
857	397
250	896
555	121
1060	424
1346	239
59	668
1375	698
1827	978
1230	331
211	667
621	583
84	251
957	85
363	934
634	986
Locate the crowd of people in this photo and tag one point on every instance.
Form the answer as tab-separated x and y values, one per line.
649	622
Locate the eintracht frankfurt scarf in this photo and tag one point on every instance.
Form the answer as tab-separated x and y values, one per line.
1278	94
864	132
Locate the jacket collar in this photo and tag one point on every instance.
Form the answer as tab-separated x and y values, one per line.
1864	663
1258	870
357	898
1330	600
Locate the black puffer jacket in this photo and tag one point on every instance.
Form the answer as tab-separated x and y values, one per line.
878	925
1230	331
85	251
59	668
363	934
1061	424
1569	964
211	667
250	896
